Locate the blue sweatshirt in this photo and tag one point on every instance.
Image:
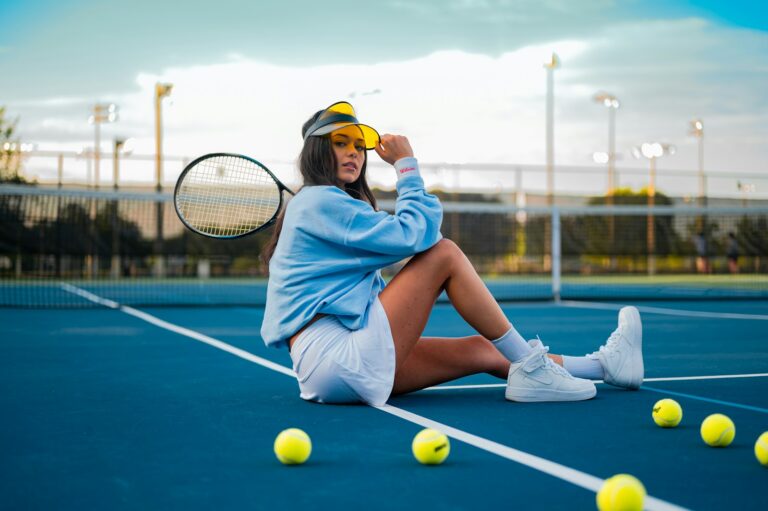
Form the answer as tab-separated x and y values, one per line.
332	248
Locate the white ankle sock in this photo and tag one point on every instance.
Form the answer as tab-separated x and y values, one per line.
512	345
583	367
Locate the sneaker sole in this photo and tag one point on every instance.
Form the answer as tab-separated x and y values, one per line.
539	395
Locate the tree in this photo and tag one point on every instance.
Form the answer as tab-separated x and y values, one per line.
10	150
589	234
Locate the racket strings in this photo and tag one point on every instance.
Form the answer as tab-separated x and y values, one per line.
227	196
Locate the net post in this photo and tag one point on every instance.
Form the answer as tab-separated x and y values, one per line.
556	253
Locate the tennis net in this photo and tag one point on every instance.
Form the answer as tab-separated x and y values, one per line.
62	248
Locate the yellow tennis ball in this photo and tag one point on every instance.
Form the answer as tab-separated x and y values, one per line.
292	446
717	430
430	447
621	492
667	413
761	449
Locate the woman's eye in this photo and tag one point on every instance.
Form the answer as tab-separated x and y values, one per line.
360	148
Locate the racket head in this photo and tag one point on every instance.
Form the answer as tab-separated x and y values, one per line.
226	195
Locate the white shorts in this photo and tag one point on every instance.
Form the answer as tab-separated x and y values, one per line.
337	365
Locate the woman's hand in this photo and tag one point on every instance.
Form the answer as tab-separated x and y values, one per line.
393	147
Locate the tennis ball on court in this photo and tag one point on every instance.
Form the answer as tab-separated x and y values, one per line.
621	492
667	413
430	447
292	446
761	449
717	430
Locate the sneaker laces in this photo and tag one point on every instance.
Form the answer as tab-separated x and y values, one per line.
610	344
539	358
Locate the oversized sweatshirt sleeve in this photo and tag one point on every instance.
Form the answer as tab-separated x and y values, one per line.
413	228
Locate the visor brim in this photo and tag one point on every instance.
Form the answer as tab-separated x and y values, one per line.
370	135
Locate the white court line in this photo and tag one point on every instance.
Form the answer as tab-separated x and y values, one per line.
557	470
208	340
664	311
180	330
562	472
90	296
646	380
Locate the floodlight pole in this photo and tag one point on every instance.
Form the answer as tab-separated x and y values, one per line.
612	104
161	90
611	150
697	130
652	151
702	176
115	263
550	66
96	151
101	113
554	63
651	220
118	146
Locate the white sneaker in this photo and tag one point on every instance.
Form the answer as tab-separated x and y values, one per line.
537	378
622	355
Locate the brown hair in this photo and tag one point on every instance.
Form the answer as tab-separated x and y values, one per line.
317	164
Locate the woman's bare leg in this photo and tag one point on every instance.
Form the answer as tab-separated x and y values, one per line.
408	301
435	360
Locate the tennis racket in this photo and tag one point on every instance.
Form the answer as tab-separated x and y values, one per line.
222	195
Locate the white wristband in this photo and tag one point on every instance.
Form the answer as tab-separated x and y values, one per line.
406	167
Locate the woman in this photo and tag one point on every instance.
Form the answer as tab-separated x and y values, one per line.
351	337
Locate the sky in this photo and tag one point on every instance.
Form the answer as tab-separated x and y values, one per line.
463	79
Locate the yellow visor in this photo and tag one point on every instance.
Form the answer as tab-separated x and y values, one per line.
340	115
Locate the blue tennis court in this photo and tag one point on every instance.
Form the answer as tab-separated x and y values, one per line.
177	408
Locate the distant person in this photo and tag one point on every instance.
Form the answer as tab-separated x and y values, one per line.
354	337
702	255
732	253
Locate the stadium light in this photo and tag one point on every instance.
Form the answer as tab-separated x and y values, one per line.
101	113
745	189
652	151
14	147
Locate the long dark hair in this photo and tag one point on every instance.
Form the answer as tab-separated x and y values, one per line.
317	164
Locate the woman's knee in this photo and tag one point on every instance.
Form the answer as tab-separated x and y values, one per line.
444	250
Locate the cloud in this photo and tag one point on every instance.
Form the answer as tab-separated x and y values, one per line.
53	102
457	106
